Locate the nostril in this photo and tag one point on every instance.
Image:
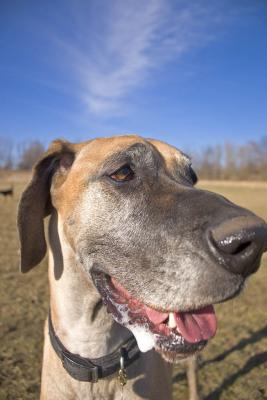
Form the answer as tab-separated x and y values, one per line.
241	247
232	245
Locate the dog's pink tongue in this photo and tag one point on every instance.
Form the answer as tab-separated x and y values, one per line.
197	325
155	316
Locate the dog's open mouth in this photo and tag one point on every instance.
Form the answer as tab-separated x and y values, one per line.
175	335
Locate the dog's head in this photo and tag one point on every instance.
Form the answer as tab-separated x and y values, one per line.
159	251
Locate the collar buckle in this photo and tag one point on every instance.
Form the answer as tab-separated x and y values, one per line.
94	374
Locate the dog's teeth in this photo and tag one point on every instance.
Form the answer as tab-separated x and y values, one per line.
171	322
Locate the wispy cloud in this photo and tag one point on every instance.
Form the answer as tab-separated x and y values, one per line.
117	44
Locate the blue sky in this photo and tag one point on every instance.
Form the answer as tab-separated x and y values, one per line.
191	73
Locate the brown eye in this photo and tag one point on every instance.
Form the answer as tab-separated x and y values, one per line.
123	174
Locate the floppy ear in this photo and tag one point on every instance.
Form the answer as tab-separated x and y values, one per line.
35	203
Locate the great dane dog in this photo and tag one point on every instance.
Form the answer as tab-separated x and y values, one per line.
137	258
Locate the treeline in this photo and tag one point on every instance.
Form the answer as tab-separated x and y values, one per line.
19	155
227	161
233	162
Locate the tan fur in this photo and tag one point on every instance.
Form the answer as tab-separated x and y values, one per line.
171	155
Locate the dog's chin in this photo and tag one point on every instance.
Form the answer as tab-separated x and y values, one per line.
175	335
179	354
174	357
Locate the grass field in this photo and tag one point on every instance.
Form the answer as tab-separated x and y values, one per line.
233	367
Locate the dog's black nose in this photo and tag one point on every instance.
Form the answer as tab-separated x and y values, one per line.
238	244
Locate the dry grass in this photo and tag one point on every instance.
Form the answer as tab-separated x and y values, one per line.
234	365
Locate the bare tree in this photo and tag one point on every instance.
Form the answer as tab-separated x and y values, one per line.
209	162
246	162
230	161
30	155
6	153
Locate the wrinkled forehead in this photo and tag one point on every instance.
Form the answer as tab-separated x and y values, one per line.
97	153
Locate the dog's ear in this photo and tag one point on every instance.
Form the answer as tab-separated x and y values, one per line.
35	203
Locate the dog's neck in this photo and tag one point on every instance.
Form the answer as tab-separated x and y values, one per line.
79	317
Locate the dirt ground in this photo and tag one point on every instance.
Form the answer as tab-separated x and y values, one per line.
232	367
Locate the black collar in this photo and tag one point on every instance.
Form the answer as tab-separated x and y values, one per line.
90	370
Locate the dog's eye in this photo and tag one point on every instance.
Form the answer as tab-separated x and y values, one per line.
123	174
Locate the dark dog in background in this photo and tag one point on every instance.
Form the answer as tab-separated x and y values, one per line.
7	192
